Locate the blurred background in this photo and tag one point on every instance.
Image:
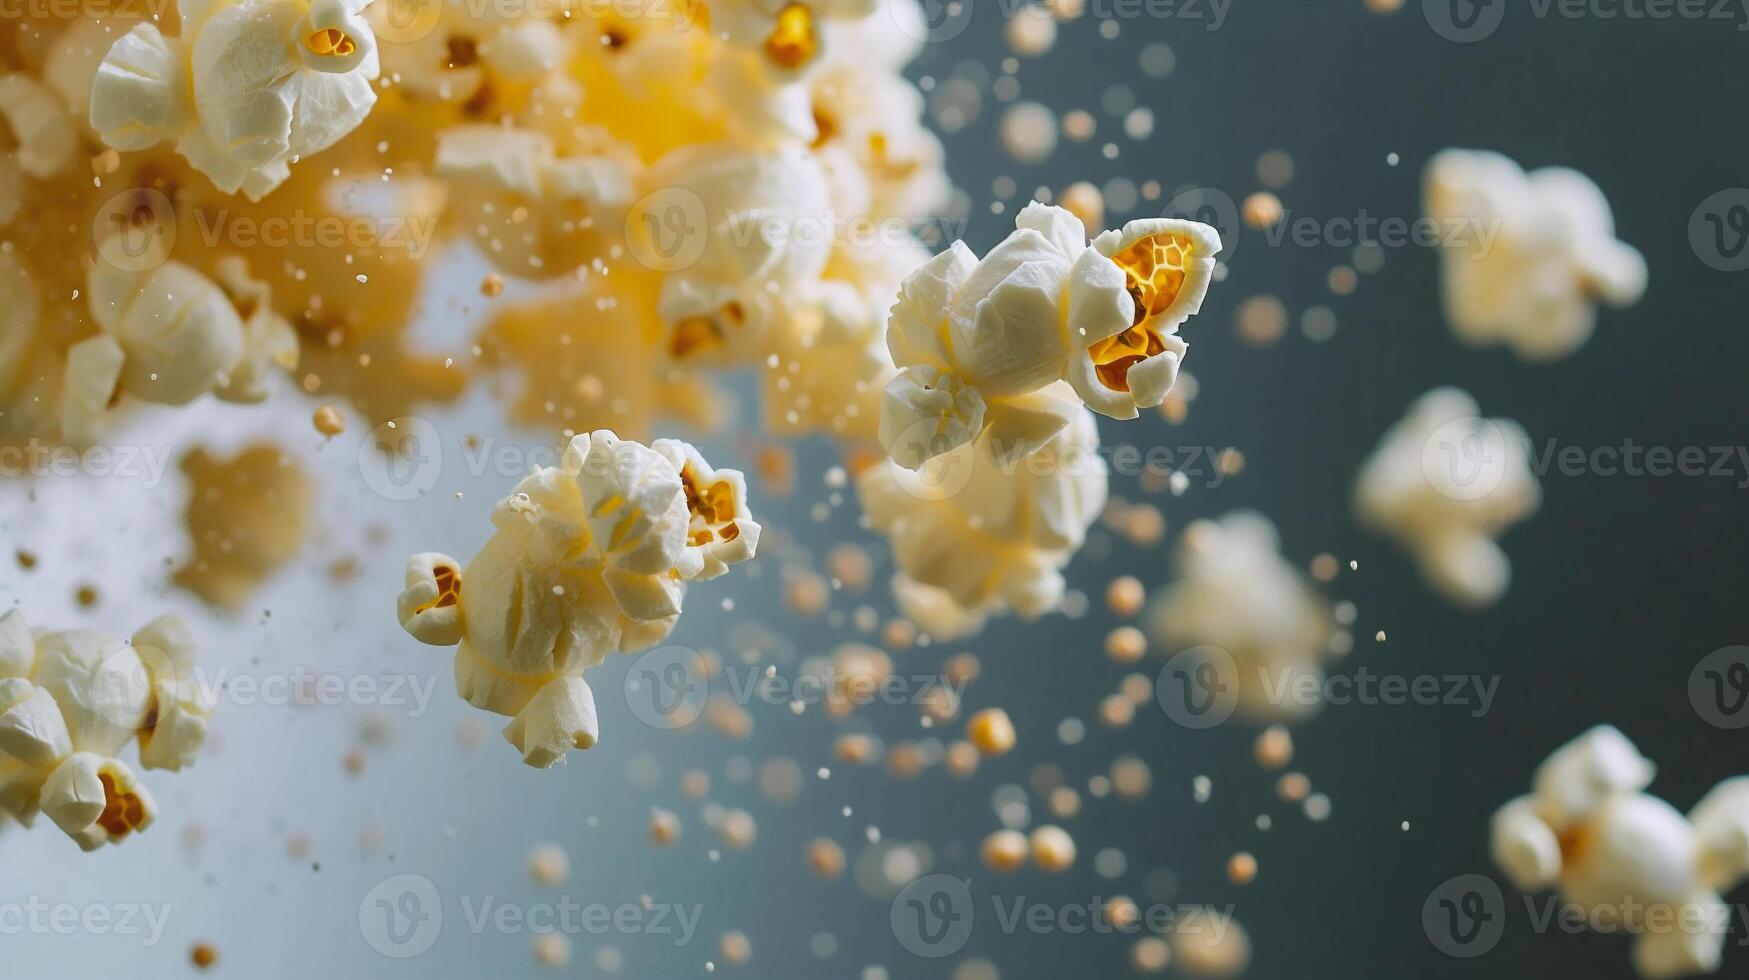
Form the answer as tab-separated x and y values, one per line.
275	847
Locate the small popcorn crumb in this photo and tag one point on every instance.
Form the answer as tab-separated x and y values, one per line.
1242	868
1261	210
825	857
1125	595
492	285
1004	851
1053	850
549	865
203	955
1275	747
329	421
552	950
1126	644
736	948
991	731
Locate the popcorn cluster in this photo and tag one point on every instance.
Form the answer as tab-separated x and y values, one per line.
974	337
1445	483
590	556
978	532
1527	257
1627	858
71	701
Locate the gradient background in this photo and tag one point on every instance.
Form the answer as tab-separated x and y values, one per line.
1622	585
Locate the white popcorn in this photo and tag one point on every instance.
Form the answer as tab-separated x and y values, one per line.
1620	855
520	172
171	335
831	360
248	87
44	138
735	231
71	701
1445	483
973	336
1526	257
974	534
590	556
460	48
1236	592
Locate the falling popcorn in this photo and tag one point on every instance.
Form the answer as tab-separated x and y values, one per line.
976	338
71	700
1589	831
170	335
1527	257
973	536
246	88
1235	591
1445	483
590	556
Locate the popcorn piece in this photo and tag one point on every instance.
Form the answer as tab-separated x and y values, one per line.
1235	591
70	702
536	213
785	32
1527	257
735	231
44	138
248	86
590	556
1445	482
974	535
973	336
246	516
171	335
1620	855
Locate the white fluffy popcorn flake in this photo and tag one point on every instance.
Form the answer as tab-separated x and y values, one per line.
590	556
1627	858
974	336
1445	483
246	89
736	233
975	535
1526	257
169	335
71	700
1236	593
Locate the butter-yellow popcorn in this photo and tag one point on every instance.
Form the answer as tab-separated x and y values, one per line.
170	335
590	556
974	534
1526	257
974	336
1445	483
70	701
247	87
1627	858
1236	592
787	34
